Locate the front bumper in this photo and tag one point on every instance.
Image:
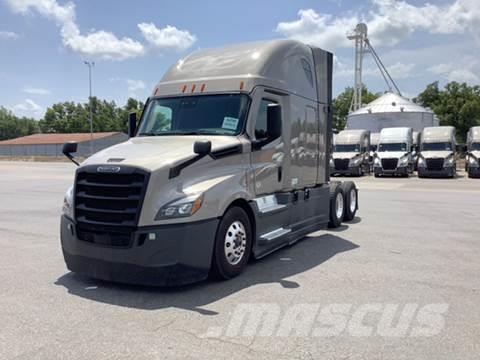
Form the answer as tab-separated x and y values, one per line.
180	254
474	171
445	172
402	170
353	170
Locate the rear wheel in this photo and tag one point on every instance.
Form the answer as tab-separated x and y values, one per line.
233	244
337	207
351	200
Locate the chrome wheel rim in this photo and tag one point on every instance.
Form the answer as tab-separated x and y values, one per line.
339	205
235	243
353	200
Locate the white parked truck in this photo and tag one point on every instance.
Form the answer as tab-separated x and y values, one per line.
416	148
229	162
350	153
473	152
394	152
437	157
374	137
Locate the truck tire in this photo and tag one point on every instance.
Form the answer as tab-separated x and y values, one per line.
233	244
351	200
337	206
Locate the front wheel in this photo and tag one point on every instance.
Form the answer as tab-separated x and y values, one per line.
233	244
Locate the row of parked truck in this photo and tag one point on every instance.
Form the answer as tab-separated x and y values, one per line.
401	151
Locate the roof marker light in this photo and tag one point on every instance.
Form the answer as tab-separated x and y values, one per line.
242	84
202	88
193	87
184	88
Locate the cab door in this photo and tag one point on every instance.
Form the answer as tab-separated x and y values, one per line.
268	146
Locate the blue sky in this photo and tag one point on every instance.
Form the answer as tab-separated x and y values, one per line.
43	42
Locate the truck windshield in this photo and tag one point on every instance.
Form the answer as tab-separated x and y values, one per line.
475	146
347	148
438	146
392	147
194	115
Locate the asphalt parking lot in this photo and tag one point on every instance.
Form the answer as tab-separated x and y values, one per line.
414	246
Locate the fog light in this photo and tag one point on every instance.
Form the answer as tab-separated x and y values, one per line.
152	236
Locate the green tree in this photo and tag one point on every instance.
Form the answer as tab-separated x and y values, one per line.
457	104
12	126
341	105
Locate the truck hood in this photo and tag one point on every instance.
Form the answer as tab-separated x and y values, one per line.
436	154
344	155
391	154
152	153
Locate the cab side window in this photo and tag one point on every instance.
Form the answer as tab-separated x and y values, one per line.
269	121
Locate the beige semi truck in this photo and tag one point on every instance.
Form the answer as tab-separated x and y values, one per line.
351	153
472	160
230	161
437	157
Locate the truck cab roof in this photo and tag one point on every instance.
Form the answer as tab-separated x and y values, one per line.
438	134
351	136
287	65
396	134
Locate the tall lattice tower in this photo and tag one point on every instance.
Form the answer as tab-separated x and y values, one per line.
359	34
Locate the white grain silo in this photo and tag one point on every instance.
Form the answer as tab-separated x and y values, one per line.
391	110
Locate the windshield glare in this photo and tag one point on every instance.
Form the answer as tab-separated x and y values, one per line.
440	146
191	115
475	146
392	147
347	148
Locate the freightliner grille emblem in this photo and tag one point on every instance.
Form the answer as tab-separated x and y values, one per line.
108	169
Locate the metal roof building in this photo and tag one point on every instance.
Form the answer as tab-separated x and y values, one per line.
391	110
51	144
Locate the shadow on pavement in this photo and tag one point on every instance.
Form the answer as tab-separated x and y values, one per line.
275	268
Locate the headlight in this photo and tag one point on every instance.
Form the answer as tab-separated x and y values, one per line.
332	164
472	161
183	207
403	160
377	162
421	161
449	160
355	161
67	208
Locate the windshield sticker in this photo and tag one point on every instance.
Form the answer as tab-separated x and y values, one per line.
230	123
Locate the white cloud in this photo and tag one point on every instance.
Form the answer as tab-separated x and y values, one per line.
456	72
135	85
28	108
389	22
322	30
401	70
35	91
8	35
167	38
101	44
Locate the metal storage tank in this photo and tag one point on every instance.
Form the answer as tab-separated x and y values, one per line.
391	110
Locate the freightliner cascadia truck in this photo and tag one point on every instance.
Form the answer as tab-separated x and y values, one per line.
229	161
437	157
394	152
472	161
351	153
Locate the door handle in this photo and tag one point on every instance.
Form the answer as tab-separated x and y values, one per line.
279	173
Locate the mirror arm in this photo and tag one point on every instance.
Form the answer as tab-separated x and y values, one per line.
70	157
